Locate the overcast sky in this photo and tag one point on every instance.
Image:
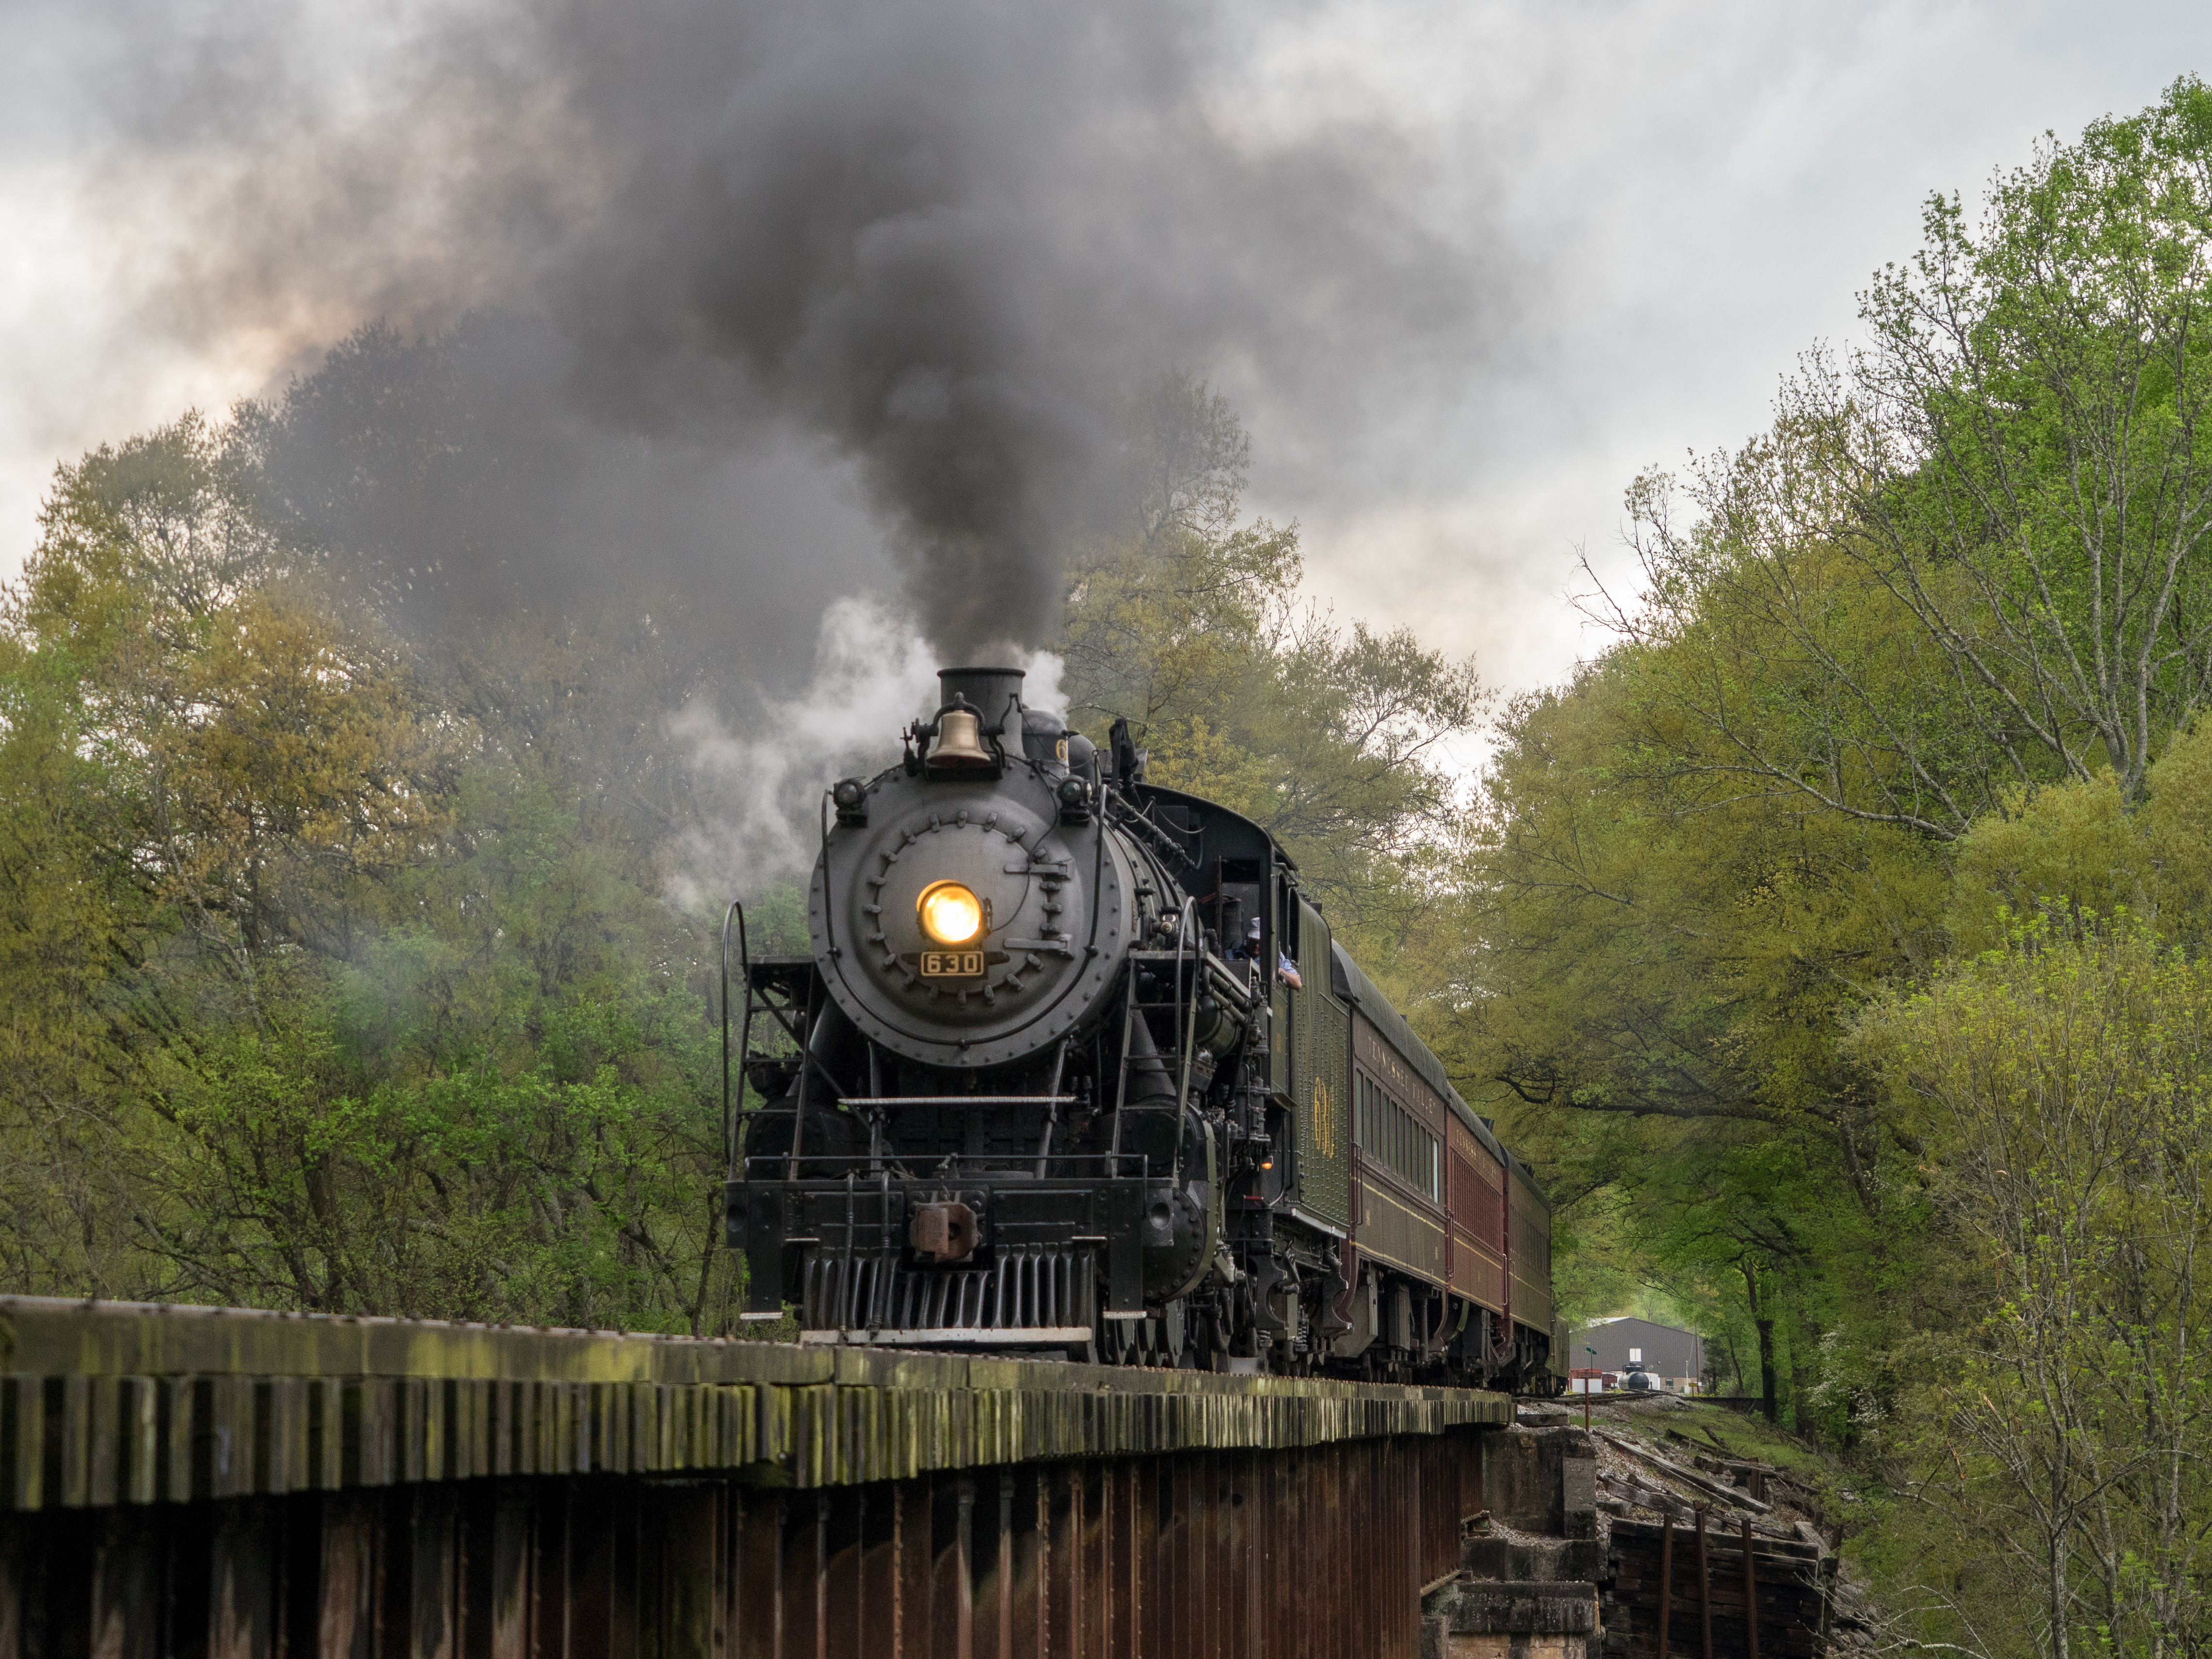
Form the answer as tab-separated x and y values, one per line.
1687	196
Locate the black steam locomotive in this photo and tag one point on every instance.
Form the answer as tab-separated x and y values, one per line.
1074	1066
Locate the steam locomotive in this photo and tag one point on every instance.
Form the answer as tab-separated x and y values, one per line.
1074	1066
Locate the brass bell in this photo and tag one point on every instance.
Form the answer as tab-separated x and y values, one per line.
959	742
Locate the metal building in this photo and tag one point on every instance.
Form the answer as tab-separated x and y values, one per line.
1675	1357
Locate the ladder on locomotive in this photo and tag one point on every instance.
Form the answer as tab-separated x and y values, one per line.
1187	970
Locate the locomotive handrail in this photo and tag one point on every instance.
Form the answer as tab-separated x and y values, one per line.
1121	1068
736	912
1139	819
829	899
1052	1104
977	1165
1097	877
1185	925
961	1100
806	1069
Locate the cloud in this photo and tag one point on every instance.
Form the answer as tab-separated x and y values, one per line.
945	240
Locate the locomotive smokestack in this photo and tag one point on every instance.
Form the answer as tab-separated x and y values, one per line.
995	695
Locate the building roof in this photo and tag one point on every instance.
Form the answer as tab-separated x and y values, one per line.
1648	1324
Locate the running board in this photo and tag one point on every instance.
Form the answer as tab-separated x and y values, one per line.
1015	1336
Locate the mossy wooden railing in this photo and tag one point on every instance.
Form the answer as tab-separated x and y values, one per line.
119	1403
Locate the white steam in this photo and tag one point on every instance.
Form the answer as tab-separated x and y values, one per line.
756	790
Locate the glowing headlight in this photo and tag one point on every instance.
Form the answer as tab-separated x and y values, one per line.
951	914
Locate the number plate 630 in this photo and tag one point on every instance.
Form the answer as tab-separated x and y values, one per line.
952	964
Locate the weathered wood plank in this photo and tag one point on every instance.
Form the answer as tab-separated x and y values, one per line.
819	1418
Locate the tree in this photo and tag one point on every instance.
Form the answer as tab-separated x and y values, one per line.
2080	848
1662	967
1192	628
1660	945
2017	470
333	984
2065	1078
1187	453
68	923
1796	672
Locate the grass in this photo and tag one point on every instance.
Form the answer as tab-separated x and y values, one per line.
1754	1437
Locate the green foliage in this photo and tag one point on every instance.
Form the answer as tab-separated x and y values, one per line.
1670	963
2079	847
2067	1080
330	988
1972	559
68	917
1842	948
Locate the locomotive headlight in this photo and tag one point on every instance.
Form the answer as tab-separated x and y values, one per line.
950	913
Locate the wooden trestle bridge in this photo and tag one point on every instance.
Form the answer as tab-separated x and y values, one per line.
219	1484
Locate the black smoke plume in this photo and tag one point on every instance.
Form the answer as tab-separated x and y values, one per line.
945	242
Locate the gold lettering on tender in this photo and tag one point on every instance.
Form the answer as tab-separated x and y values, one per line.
1324	1120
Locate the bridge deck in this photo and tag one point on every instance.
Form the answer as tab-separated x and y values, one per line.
105	1404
